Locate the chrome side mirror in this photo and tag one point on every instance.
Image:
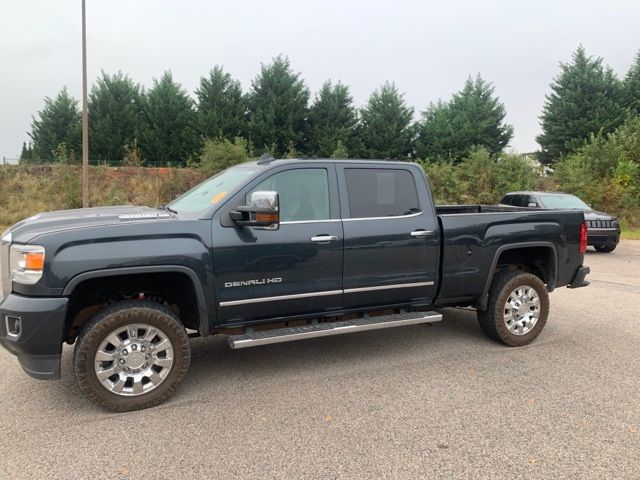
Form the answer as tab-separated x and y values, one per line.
532	205
263	212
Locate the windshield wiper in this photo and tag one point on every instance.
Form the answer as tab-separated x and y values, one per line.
167	208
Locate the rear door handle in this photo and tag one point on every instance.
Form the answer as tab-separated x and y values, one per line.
421	233
325	238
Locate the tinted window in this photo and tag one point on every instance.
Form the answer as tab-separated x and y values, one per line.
519	201
507	200
381	192
304	193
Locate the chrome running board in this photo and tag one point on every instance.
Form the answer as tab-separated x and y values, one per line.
314	330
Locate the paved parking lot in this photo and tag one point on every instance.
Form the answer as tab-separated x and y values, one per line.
437	401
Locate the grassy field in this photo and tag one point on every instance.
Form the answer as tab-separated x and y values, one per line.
631	234
27	190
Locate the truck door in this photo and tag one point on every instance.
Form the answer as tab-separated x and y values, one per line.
391	249
296	269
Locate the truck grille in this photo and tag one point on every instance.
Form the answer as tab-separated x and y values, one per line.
599	223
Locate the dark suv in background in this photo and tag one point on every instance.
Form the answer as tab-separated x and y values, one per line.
603	229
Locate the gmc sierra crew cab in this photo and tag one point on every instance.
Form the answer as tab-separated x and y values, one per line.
265	252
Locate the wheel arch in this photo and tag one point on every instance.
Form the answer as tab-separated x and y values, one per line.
547	267
76	283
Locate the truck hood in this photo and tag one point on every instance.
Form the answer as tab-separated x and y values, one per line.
595	215
51	222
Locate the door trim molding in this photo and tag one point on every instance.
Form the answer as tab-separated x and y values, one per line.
387	287
323	293
280	297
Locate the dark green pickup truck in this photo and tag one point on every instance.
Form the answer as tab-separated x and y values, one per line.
267	252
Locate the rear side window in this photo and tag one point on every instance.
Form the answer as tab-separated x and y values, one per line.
507	200
381	192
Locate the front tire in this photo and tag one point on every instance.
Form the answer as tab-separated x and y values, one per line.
517	310
131	356
605	247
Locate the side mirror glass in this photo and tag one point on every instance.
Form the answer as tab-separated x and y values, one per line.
262	212
532	205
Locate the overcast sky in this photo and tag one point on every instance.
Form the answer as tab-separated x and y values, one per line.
427	48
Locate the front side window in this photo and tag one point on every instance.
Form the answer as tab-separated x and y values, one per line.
381	192
304	193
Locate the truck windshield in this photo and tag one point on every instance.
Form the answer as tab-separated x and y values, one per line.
212	191
563	201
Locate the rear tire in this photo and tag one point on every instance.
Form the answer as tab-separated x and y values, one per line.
605	247
132	355
517	310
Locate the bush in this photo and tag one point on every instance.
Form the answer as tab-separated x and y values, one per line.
481	178
605	172
218	155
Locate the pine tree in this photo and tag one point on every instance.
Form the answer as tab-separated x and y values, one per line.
631	87
332	119
585	99
57	123
473	117
114	113
25	155
221	106
385	128
277	106
168	130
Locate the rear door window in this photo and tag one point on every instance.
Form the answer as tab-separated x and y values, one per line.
381	192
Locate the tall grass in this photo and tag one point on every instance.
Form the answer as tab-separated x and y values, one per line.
29	189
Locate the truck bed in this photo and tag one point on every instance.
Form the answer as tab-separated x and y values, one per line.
472	237
453	209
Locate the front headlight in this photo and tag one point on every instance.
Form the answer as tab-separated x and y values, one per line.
26	263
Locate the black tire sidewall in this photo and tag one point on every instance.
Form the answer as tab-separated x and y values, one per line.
506	283
605	247
107	321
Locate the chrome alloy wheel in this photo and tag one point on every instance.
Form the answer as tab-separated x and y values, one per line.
522	310
134	359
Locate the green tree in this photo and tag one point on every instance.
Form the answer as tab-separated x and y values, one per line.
385	125
168	130
58	122
221	106
27	153
277	105
340	151
219	154
332	119
585	99
473	117
114	114
631	87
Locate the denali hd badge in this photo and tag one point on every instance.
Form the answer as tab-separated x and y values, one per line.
247	283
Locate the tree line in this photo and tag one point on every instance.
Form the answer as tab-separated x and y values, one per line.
277	115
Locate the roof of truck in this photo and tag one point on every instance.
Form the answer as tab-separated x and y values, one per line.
280	161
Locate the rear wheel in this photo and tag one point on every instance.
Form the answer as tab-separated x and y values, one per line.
517	310
131	356
605	247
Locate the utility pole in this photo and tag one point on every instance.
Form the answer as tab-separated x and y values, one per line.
85	114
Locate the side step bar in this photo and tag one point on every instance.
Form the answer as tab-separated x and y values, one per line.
314	330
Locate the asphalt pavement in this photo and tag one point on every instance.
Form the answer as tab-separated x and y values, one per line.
438	401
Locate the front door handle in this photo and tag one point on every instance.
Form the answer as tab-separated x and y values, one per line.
325	238
422	233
